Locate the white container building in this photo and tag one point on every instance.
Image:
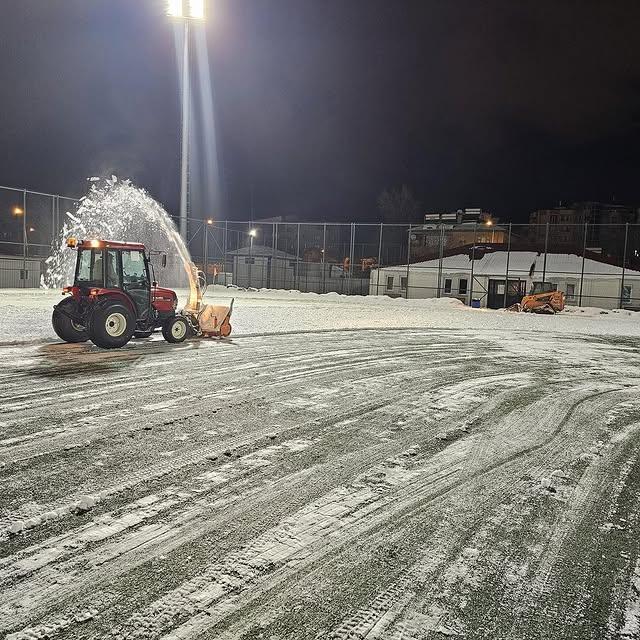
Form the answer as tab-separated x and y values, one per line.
499	278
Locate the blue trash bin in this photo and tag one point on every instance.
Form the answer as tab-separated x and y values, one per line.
475	303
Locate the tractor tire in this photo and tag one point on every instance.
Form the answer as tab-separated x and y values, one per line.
175	329
111	325
143	334
65	327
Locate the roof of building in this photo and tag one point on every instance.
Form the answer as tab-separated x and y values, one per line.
522	263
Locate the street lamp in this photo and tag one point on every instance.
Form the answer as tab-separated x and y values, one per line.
17	211
252	234
206	248
185	10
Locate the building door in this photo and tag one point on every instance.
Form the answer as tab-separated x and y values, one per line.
515	291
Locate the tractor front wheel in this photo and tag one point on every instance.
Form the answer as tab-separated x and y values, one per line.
175	329
64	326
111	325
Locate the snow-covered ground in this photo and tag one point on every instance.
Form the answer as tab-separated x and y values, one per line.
341	468
25	314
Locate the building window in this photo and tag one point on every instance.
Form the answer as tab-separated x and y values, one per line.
447	285
462	286
403	283
571	290
389	283
249	260
626	294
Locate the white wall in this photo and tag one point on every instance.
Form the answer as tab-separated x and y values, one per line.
423	283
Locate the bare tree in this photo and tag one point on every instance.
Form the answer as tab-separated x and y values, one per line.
398	205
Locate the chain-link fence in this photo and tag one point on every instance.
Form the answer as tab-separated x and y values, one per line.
481	264
495	266
30	222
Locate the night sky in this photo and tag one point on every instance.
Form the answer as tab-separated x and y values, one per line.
321	104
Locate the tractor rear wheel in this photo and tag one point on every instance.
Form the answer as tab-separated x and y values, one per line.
175	329
64	326
111	325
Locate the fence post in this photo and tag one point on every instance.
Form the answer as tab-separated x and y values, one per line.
224	252
24	239
298	260
546	246
473	257
324	251
273	268
624	260
440	260
506	276
406	295
379	260
584	249
351	249
53	219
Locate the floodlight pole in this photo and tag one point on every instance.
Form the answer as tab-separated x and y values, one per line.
184	160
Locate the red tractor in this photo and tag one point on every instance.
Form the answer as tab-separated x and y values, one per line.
113	297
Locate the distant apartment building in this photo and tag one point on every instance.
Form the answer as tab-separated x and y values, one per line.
448	230
563	228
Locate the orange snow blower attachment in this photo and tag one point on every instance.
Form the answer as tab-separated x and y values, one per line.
214	320
206	320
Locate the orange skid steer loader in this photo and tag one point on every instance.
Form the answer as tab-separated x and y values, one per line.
544	297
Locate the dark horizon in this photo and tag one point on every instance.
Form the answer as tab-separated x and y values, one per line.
321	106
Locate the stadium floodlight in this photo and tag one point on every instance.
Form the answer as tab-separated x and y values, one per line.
191	9
187	11
196	9
174	8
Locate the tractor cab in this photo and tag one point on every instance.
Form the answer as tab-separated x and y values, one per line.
113	297
110	266
542	287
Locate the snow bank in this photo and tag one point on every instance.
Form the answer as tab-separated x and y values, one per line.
25	314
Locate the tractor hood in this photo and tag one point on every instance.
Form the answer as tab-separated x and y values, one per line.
160	293
164	300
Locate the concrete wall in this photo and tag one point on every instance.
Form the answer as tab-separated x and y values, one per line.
12	276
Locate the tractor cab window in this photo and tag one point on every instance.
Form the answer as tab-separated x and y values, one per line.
134	269
113	277
89	269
